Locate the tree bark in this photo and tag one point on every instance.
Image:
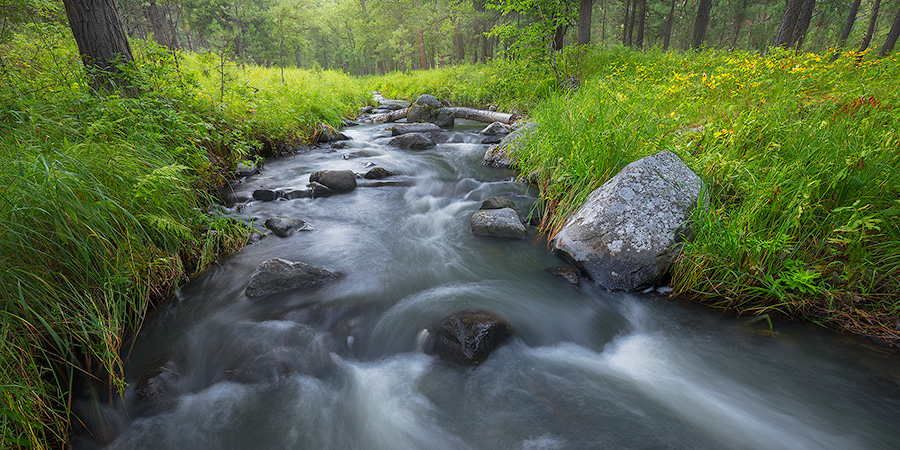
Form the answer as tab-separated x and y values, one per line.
627	21
667	33
163	29
558	37
788	23
848	27
584	21
891	39
99	31
873	19
480	115
639	42
739	18
631	19
701	23
421	50
803	20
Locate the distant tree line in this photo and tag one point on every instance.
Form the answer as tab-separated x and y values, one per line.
377	36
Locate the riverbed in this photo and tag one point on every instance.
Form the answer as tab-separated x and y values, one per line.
340	366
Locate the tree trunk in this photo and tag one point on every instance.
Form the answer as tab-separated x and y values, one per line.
799	34
163	29
558	37
788	23
100	34
480	115
421	50
363	4
639	42
667	33
701	23
739	18
848	27
892	36
871	30
584	21
631	19
626	21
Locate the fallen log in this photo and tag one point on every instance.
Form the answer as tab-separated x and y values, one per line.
392	116
480	115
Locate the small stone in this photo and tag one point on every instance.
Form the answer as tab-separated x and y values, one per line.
378	173
466	337
279	275
501	223
265	195
284	226
566	274
496	202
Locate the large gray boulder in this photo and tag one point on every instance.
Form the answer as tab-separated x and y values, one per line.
501	223
466	337
428	108
413	141
499	156
339	181
628	232
279	275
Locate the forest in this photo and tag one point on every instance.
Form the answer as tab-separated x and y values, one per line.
120	119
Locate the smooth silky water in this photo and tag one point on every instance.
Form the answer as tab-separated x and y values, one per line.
338	367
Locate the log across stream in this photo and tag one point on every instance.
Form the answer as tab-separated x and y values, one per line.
338	366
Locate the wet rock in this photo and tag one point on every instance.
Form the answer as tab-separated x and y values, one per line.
245	169
496	202
499	155
280	275
378	173
319	190
466	337
158	382
406	128
366	109
346	123
265	195
492	140
629	231
327	133
339	181
413	141
269	351
501	223
284	226
566	274
496	128
340	146
254	238
297	193
427	108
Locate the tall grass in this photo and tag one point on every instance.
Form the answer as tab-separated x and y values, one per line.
103	203
800	153
801	156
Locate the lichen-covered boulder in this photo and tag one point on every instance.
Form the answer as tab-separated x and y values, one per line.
466	337
628	232
339	181
280	275
501	223
428	108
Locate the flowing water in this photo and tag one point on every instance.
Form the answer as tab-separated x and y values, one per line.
339	366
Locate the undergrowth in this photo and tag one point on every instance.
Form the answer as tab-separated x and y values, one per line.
103	202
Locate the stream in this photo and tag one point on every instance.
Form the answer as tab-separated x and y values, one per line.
340	366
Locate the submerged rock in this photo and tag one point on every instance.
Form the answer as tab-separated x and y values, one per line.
413	141
496	202
406	128
265	195
378	173
466	337
501	223
284	226
566	274
499	155
339	181
628	232
279	275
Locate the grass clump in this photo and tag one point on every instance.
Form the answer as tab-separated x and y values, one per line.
103	202
800	155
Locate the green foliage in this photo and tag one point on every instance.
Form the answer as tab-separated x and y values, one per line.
103	202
